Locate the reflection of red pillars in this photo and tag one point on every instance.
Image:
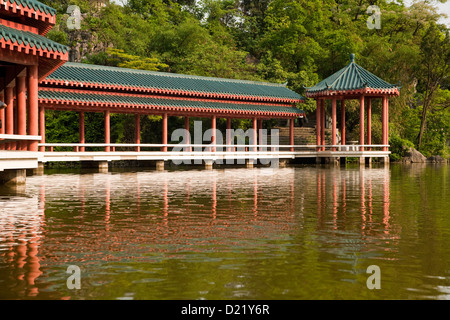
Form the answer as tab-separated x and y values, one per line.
386	192
370	200
107	204
255	196
33	105
214	198
363	199
291	134
335	203
33	264
42	127
333	123
343	122
318	123
322	125
361	122
166	202
344	198
107	130
319	196
369	122
82	138
21	110
137	132
255	134
164	133
9	114
214	128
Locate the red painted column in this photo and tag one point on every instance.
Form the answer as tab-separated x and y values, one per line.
333	123
187	137
318	124
2	120
213	127
228	133
9	125
107	130
255	134
343	122
291	134
33	105
81	129
387	121
42	127
323	115
164	133
260	132
2	115
384	119
137	131
369	122
21	111
361	122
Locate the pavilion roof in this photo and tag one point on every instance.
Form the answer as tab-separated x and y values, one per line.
130	80
59	99
32	12
352	80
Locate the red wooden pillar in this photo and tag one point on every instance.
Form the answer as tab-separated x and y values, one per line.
82	137
369	122
33	105
318	124
291	134
107	130
2	115
137	131
255	134
214	128
260	132
343	122
164	133
42	127
187	137
322	126
228	133
333	123
384	119
21	110
361	122
9	125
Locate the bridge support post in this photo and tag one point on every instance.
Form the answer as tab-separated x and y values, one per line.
249	163
13	177
385	161
209	164
39	171
160	165
95	166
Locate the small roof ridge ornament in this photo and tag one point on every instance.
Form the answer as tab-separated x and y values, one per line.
352	57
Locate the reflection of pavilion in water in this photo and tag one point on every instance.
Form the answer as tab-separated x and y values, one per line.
114	217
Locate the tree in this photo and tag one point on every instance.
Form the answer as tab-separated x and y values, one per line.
434	69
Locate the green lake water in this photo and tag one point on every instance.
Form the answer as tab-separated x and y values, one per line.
291	233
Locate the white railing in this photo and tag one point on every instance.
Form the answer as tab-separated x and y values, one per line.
211	147
4	138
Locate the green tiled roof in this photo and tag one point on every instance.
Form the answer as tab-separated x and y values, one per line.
49	96
139	79
351	77
31	39
36	5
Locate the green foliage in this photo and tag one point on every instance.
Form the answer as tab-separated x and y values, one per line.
399	146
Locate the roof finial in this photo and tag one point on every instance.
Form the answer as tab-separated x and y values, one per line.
352	57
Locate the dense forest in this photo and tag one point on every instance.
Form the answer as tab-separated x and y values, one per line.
298	42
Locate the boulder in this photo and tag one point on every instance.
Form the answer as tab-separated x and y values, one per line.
413	156
436	159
